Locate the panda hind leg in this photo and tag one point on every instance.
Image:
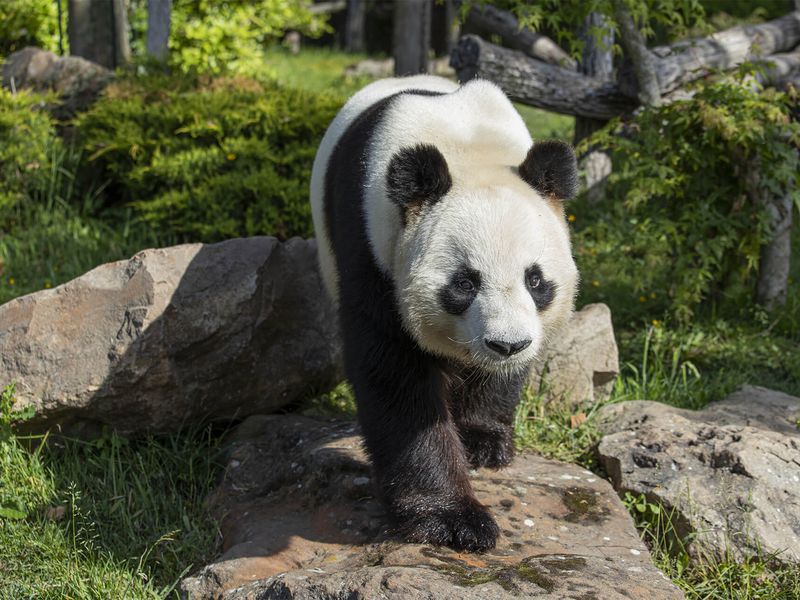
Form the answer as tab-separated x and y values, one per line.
483	406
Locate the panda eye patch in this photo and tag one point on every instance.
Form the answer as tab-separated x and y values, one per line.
459	292
541	290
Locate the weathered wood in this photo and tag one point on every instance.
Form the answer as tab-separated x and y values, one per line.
536	83
487	20
98	31
158	24
779	68
354	26
412	34
642	60
596	61
685	61
324	8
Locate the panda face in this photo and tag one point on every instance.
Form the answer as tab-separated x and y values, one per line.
486	276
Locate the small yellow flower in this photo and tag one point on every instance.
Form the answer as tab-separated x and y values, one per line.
642	298
656	323
231	156
652	294
47	285
11	281
571	218
595	283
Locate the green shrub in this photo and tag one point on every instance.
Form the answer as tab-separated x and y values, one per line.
28	23
676	229
226	36
206	160
28	137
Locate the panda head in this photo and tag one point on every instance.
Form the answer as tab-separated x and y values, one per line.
483	266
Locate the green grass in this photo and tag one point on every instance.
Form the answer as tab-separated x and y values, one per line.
52	236
705	578
111	518
314	69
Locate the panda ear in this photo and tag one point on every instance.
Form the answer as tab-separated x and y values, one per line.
551	169
417	178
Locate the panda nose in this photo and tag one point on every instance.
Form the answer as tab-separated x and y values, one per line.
507	348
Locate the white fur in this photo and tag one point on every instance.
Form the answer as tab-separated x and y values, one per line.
489	219
362	100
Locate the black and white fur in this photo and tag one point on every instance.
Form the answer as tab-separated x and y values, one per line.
442	238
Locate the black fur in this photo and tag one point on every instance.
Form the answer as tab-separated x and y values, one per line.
551	169
453	298
417	178
543	293
405	396
483	408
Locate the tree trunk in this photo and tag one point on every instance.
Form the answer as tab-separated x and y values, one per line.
354	26
597	62
158	24
412	32
487	20
685	61
775	256
643	61
98	31
536	83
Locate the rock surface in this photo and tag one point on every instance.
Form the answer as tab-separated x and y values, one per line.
77	81
582	364
299	520
174	335
731	471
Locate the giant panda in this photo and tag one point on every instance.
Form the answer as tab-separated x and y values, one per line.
442	240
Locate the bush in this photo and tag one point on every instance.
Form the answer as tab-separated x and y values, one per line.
677	228
28	137
226	36
28	23
206	160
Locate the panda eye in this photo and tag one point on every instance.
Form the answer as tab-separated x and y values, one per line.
465	285
534	280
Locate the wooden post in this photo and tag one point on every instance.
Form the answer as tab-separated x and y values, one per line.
412	32
596	61
158	25
643	60
98	31
354	26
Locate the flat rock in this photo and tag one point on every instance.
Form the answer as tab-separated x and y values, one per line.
582	363
173	336
730	471
299	520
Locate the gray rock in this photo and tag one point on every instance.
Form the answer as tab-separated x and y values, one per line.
582	364
298	520
77	81
173	336
730	471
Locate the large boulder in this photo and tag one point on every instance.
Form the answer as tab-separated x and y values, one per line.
76	81
173	336
299	519
730	472
582	363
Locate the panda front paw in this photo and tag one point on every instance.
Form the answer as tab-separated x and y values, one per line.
470	528
493	448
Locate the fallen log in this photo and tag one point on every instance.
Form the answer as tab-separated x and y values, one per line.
487	20
779	68
688	60
536	83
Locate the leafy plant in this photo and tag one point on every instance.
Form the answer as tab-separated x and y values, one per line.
676	205
227	36
28	23
208	159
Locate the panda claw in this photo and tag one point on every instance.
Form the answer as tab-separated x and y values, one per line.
470	528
